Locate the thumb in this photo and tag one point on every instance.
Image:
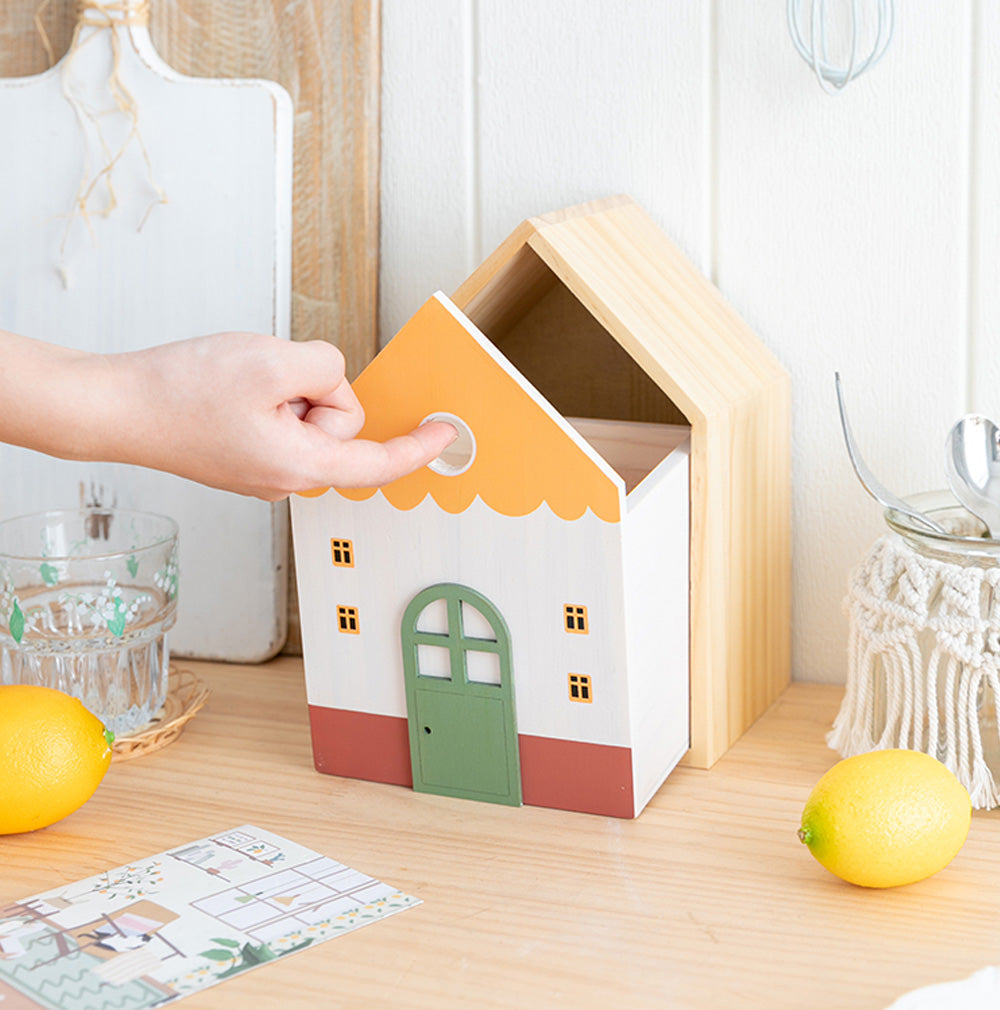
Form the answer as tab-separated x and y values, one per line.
363	463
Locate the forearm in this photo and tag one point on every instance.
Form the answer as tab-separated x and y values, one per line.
56	400
239	411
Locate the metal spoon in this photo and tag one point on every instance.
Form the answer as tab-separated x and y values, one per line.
973	465
869	483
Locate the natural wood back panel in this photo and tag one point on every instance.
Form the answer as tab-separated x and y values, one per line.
703	364
578	366
326	53
737	397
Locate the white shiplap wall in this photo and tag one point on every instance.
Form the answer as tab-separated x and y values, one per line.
859	232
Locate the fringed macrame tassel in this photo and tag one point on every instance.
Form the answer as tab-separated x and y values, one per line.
923	646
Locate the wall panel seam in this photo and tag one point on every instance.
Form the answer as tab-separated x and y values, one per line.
473	139
710	126
971	321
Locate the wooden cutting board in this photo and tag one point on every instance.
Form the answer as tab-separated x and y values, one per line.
198	240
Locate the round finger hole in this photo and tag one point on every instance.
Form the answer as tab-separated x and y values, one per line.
458	457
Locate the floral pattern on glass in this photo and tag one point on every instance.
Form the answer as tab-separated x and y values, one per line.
10	611
106	610
166	577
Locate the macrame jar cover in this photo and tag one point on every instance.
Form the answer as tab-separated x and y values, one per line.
924	662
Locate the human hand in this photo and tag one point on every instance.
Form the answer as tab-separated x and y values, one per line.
256	415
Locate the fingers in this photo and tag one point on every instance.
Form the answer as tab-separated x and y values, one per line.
362	463
318	394
315	369
343	421
433	437
319	377
299	406
318	391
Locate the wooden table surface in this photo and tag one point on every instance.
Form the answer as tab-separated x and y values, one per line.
706	900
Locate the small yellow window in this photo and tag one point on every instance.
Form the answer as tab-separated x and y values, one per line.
347	620
342	552
575	619
579	687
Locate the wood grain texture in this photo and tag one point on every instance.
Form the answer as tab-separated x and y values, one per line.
704	359
706	900
326	54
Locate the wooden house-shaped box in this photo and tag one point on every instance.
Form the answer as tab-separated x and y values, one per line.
593	580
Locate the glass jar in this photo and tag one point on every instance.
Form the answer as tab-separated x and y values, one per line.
924	645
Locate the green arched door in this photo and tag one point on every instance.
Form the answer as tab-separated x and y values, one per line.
460	697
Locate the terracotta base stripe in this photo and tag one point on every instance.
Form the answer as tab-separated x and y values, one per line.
568	775
564	774
360	745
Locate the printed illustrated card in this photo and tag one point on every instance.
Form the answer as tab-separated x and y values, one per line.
154	931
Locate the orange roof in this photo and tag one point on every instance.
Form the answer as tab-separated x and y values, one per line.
526	453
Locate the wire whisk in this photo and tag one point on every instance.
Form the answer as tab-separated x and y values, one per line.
832	78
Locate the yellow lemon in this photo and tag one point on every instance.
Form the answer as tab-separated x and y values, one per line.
53	755
886	818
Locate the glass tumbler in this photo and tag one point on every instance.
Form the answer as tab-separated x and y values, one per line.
86	599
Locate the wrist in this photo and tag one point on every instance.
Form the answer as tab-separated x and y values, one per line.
101	395
85	408
50	397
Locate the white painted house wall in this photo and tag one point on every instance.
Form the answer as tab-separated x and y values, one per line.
559	562
859	232
655	557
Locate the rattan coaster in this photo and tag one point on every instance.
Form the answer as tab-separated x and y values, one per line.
186	694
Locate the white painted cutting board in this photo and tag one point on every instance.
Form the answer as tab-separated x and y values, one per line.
216	255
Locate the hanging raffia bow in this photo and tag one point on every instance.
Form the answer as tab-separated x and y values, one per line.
106	15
